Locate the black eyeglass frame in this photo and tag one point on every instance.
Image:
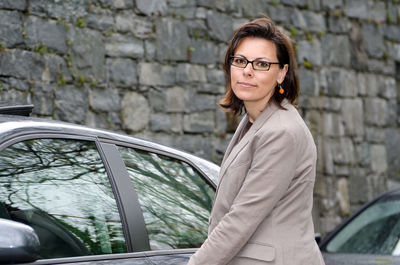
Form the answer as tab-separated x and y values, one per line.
252	65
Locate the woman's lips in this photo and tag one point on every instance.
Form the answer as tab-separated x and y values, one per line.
244	84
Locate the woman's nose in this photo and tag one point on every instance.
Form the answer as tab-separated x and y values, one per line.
248	70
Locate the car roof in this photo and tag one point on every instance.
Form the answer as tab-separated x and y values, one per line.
14	125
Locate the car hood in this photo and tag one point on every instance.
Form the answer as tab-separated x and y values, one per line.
359	259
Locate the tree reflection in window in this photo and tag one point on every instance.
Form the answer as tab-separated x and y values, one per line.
176	201
61	189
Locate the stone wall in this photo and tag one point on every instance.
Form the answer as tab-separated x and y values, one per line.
152	68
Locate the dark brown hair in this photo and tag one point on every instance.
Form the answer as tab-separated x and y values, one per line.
263	28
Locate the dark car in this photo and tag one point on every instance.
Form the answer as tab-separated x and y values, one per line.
370	236
75	195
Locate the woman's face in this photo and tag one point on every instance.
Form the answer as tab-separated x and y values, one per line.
254	86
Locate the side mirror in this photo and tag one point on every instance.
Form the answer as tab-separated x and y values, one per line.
317	237
18	242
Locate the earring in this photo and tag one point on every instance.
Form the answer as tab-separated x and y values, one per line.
281	90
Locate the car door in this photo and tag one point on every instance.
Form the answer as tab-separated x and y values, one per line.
60	186
175	199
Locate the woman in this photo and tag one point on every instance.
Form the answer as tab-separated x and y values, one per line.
262	208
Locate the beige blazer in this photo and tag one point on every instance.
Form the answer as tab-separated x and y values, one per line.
262	207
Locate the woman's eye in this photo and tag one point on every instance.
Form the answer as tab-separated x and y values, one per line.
262	64
240	61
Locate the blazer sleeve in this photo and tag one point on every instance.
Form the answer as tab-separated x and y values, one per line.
271	172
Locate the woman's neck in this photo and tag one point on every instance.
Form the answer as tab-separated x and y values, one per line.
254	108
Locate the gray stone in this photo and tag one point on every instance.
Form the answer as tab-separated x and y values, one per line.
373	40
301	3
339	24
392	32
13	96
204	52
87	52
40	32
313	5
13	4
332	4
375	111
172	40
141	27
308	82
310	51
182	3
122	72
375	135
160	122
251	8
183	12
189	73
101	22
197	29
21	64
363	154
135	112
336	50
378	158
280	13
176	122
358	186
69	10
43	98
315	22
15	83
150	50
153	74
359	58
333	125
392	140
177	99
11	28
343	196
55	69
297	18
157	100
343	151
393	113
199	122
215	76
387	87
122	46
372	85
377	11
71	104
393	12
104	100
210	88
152	7
204	102
352	113
357	9
220	26
394	51
362	84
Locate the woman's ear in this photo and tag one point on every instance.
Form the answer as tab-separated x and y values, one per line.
282	73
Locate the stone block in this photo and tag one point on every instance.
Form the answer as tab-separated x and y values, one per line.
101	22
372	85
87	52
373	40
203	102
203	52
374	134
362	84
172	41
313	5
336	50
359	58
157	100
392	32
310	51
387	87
21	64
69	10
210	89
393	12
377	12
199	122
13	4
393	113
315	22
140	27
392	140
15	83
363	155
198	145
394	51
333	125
215	76
104	99
177	99
11	95
154	74
251	8
332	4
343	196
152	7
300	3
375	111
47	33
357	9
188	73
358	186
176	122
297	18
150	50
308	82
182	3
122	72
352	114
220	26
339	24
135	112
11	28
378	158
343	151
121	46
160	122
71	104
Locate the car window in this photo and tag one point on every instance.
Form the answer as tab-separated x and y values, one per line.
61	189
375	231
175	200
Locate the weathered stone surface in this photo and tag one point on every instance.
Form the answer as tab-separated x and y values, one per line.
378	158
203	52
220	26
104	99
189	73
172	40
387	87
87	52
392	116
160	122
177	99
377	11
13	4
157	100
199	122
315	22
358	186
375	111
153	74
392	140
308	82
339	24
55	69
122	72
301	3
152	7
333	125
336	50
392	32
363	154
40	32
122	46
374	134
71	104
141	27
373	40
203	102
251	8
21	64
135	111
101	22
215	76
310	51
359	59
336	82
12	96
352	113
11	28
69	10
343	196
357	9
343	151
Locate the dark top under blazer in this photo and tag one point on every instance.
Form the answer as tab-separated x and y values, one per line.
262	208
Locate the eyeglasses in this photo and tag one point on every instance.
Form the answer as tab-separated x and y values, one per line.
257	64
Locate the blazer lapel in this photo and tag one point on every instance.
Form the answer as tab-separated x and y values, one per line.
234	147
